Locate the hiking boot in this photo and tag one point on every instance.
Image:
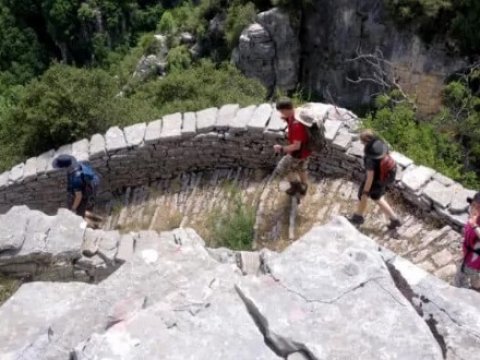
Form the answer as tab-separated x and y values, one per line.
356	219
294	188
302	189
394	223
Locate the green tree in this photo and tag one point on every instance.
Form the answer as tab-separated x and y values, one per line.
239	16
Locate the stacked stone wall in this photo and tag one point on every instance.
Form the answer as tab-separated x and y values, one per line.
218	138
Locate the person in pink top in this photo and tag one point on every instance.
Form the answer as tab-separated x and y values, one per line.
469	270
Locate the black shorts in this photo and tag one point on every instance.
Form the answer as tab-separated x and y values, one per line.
376	192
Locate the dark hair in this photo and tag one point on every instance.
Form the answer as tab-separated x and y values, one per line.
284	104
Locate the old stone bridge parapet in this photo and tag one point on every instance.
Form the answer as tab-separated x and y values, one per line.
219	138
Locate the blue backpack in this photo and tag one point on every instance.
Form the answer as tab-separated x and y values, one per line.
90	177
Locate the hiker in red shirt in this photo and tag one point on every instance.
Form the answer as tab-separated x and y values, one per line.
372	186
469	270
294	163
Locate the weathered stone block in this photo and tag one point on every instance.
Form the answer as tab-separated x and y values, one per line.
415	178
226	116
241	119
459	199
172	127
189	126
356	149
115	140
4	179
135	134
276	123
401	160
331	129
438	193
342	141
80	150
97	147
16	174
260	118
206	120
153	131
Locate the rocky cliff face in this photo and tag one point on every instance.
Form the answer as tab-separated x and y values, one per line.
331	33
332	294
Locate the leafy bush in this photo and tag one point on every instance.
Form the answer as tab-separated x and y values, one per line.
167	24
64	105
67	104
423	142
234	227
239	16
202	86
179	58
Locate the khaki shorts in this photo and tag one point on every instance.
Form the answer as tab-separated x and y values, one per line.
467	278
288	164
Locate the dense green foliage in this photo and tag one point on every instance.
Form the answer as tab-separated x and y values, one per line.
456	19
425	142
67	104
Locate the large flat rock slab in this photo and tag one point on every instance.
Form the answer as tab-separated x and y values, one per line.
452	313
13	227
331	294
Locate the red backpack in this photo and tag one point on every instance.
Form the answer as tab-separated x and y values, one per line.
388	170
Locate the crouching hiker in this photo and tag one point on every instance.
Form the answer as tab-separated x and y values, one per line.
469	269
294	163
82	185
380	171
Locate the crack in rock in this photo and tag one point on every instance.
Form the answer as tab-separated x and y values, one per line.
406	290
329	301
280	345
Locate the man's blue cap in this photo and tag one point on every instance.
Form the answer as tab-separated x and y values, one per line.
63	161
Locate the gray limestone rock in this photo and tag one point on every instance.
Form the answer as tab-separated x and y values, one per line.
80	150
438	193
255	54
260	117
4	179
241	120
269	50
97	146
276	123
206	120
172	127
30	169
152	132
459	200
416	177
44	161
16	174
343	140
115	140
226	116
189	126
135	134
13	227
331	129
451	313
401	160
356	310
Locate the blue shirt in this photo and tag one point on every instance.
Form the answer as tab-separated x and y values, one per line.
75	181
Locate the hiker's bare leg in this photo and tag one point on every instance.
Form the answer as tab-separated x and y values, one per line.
362	205
386	208
292	176
303	177
93	216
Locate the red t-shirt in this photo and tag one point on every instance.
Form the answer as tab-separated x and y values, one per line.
472	260
298	132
